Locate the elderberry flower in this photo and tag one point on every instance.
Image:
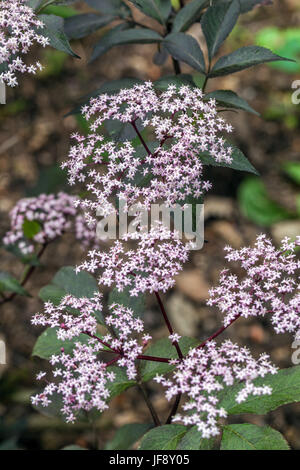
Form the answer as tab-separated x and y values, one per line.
270	285
204	372
82	383
52	216
18	32
126	324
80	378
150	267
168	169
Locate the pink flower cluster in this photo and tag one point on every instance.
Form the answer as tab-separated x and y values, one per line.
204	372
18	25
51	212
54	214
270	285
150	267
80	377
126	325
183	124
83	382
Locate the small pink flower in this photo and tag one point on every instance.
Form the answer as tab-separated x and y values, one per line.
207	370
18	25
270	285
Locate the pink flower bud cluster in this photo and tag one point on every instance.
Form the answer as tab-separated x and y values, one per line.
150	267
18	33
206	371
81	379
183	125
270	285
54	214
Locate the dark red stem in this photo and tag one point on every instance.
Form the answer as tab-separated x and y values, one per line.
218	332
141	138
169	326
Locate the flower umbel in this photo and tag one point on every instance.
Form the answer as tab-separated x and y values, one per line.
169	168
150	267
270	286
54	214
18	33
206	371
81	378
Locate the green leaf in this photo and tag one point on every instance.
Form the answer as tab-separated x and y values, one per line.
121	131
137	304
230	99
247	5
81	284
292	169
110	7
251	437
217	23
257	206
192	441
120	35
243	58
51	179
120	383
62	11
128	435
157	9
48	344
188	15
164	348
285	389
178	80
111	87
185	48
164	437
31	228
79	26
54	31
239	161
9	284
52	293
66	281
30	259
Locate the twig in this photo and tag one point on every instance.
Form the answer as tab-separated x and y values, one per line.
141	137
153	413
169	326
174	408
218	332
